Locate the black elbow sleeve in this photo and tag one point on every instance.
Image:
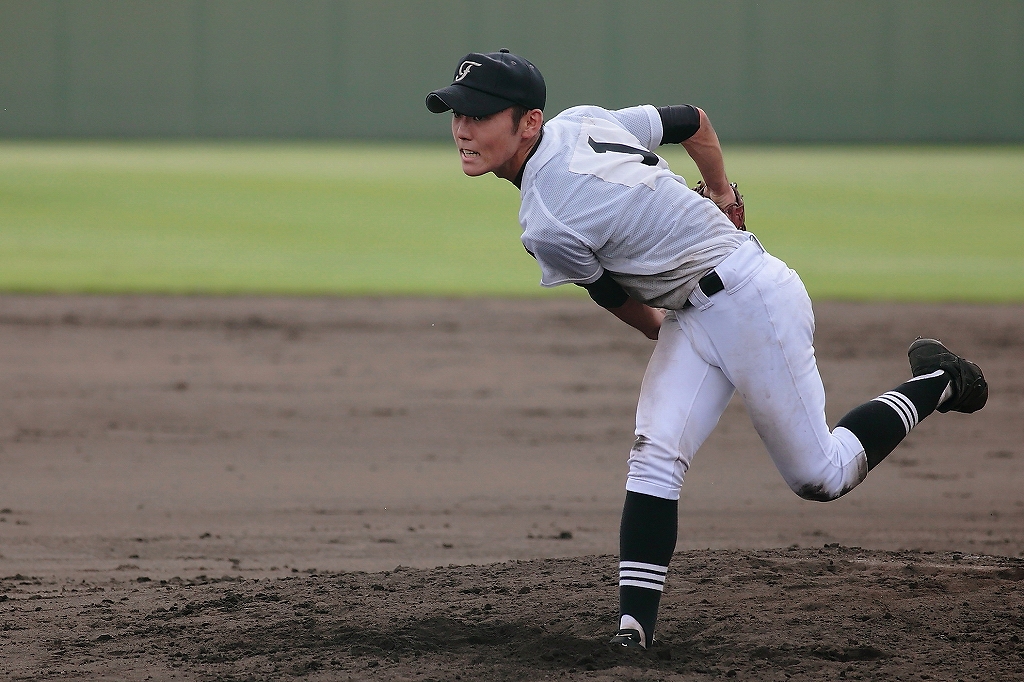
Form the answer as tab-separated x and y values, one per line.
606	292
680	123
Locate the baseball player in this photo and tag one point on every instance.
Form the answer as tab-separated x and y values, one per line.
601	210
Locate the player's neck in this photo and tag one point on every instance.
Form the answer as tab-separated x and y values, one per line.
521	157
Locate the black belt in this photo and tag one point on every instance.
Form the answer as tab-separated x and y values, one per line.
710	284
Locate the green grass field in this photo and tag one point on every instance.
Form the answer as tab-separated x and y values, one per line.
909	223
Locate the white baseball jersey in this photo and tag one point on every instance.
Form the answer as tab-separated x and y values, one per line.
595	197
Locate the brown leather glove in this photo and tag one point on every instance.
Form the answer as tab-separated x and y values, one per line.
734	211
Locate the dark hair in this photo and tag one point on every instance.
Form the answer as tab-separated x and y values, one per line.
518	112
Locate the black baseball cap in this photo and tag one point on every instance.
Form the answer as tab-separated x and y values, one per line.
485	84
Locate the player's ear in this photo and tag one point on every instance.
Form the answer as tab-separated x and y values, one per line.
533	121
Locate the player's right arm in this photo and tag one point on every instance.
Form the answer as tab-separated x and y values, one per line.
640	316
608	294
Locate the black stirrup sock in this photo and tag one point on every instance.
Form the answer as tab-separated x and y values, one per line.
647	538
883	422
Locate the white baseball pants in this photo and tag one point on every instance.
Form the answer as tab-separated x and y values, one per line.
756	337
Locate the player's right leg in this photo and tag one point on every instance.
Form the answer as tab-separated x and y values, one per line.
762	333
943	382
968	388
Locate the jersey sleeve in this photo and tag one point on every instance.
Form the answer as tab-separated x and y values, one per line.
606	292
644	122
564	257
679	123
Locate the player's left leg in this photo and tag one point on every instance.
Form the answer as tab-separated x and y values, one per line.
681	401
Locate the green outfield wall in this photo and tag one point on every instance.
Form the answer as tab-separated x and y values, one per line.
765	70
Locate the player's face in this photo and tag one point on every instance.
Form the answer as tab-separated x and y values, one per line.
486	143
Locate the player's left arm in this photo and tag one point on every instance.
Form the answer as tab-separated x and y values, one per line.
706	151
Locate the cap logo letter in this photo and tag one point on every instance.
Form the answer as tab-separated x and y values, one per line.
464	69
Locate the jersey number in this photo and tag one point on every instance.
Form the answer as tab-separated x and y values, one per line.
649	158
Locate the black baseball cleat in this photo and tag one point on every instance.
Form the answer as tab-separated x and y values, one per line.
970	390
627	639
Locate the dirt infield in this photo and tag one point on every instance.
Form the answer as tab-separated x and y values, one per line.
200	488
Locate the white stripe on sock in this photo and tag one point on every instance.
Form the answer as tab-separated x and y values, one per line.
885	399
654	578
653	568
636	583
640	574
908	404
897	409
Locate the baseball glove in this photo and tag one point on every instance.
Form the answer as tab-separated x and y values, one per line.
734	211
